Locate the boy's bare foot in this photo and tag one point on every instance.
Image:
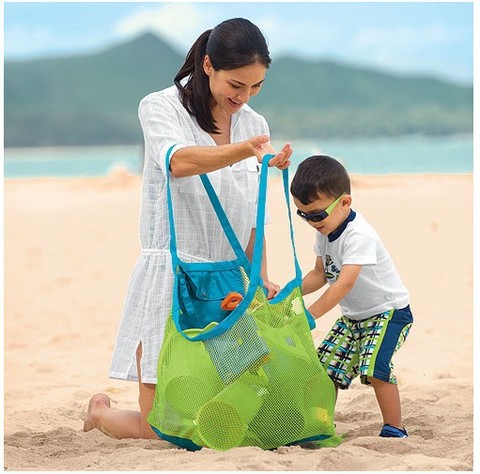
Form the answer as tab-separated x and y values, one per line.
97	402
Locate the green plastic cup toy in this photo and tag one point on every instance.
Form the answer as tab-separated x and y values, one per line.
223	421
187	394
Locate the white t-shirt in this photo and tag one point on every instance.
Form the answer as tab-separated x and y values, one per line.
378	287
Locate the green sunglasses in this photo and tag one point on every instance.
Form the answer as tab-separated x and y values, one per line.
319	216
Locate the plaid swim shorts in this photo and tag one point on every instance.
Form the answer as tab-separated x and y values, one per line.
364	347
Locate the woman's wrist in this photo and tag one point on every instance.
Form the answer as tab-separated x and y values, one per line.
233	152
244	150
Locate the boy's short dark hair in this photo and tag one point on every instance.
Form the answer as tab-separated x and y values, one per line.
319	174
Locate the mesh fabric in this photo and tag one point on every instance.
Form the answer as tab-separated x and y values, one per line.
258	384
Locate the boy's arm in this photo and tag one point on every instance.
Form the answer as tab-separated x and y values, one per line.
314	279
336	292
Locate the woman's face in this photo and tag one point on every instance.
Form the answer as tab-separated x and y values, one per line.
231	89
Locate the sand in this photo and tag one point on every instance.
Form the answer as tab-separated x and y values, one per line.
70	246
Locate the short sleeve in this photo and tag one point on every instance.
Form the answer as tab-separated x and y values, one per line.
360	249
319	246
161	127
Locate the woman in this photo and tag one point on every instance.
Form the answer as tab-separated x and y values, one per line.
206	117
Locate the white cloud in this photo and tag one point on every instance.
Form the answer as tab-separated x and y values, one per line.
400	48
179	23
23	41
399	37
267	24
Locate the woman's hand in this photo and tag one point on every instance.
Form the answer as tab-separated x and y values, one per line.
281	159
262	146
272	289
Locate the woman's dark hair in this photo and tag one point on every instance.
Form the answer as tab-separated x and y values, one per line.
319	174
230	45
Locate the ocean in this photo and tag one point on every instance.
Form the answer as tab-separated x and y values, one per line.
372	156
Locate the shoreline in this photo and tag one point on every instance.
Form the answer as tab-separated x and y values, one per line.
120	170
303	140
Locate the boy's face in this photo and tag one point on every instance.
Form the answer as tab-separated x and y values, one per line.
337	208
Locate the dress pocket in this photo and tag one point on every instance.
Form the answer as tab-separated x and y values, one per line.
246	176
201	291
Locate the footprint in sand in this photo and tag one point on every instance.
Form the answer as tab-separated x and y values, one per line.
64	280
34	252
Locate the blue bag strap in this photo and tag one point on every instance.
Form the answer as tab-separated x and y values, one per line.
286	190
260	225
258	246
217	207
260	232
230	234
173	236
222	217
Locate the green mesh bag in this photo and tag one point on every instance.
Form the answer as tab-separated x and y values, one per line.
242	376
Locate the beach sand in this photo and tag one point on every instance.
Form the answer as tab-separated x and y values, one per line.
70	246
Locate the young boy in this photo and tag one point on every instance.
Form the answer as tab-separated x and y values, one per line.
362	280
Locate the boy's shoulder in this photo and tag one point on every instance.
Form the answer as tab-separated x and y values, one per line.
355	231
360	226
354	227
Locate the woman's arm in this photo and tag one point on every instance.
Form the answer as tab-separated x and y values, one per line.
162	128
193	160
271	287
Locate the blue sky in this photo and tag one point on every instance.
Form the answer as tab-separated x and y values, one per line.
431	38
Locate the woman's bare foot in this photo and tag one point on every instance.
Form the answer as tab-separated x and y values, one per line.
97	403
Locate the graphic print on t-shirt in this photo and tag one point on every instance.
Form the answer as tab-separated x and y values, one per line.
331	271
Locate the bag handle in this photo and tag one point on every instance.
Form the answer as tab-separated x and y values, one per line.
258	247
227	228
258	244
260	232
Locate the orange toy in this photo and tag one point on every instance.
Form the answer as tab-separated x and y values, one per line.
231	301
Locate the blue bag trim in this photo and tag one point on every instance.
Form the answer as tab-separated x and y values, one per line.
191	446
253	269
310	438
286	290
180	442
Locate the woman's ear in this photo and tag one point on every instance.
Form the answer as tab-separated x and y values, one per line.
207	65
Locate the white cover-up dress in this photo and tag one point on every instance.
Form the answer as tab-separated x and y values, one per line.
165	122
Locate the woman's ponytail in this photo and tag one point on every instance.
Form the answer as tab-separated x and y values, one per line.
195	93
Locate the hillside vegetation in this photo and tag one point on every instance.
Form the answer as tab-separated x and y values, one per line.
93	99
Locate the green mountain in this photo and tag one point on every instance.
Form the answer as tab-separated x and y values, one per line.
93	99
325	99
